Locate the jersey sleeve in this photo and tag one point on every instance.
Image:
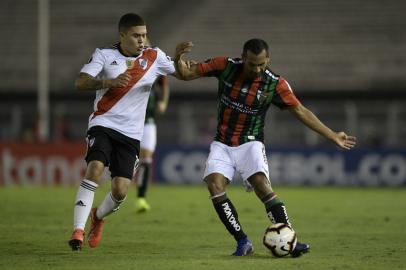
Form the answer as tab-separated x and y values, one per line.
284	96
95	64
213	67
165	63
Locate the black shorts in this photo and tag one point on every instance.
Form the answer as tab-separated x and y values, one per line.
117	151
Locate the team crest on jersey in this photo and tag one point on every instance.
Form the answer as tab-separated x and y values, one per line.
143	63
260	96
129	63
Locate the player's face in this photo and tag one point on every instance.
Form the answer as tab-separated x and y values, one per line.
254	64
134	39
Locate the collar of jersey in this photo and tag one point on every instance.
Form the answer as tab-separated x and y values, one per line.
133	56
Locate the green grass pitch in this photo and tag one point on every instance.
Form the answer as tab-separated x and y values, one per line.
347	228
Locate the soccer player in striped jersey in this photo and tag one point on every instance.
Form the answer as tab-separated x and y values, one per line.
157	103
122	77
246	89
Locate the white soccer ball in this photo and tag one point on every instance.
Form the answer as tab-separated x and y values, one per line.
280	239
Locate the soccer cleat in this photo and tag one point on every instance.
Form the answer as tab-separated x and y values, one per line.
96	229
300	249
141	205
76	240
244	248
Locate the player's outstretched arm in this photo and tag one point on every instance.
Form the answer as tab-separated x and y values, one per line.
185	70
85	82
311	120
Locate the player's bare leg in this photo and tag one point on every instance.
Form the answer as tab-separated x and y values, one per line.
275	208
216	183
84	201
110	204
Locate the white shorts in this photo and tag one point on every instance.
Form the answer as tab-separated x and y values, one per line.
148	141
247	159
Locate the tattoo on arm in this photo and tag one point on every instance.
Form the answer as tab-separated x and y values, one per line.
88	83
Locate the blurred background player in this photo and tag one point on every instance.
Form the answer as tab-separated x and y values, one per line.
157	103
122	76
247	87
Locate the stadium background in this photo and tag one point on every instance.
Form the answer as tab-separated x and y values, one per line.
345	60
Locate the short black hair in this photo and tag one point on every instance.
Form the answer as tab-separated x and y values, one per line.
256	46
129	20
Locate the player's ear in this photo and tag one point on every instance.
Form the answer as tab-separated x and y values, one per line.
268	59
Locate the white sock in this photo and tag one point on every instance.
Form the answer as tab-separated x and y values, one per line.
83	203
108	206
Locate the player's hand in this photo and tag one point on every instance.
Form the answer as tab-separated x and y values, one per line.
190	63
121	81
183	48
185	65
345	141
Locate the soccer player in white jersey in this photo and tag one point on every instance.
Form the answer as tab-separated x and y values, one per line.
122	77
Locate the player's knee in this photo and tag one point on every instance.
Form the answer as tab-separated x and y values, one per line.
261	184
120	188
215	185
94	171
119	195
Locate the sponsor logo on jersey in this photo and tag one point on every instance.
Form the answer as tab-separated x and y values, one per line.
230	217
240	107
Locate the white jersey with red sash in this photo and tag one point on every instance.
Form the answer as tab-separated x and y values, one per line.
123	108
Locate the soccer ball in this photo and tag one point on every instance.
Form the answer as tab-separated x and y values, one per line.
280	239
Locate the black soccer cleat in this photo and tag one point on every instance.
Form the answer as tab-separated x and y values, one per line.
76	245
76	240
300	249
